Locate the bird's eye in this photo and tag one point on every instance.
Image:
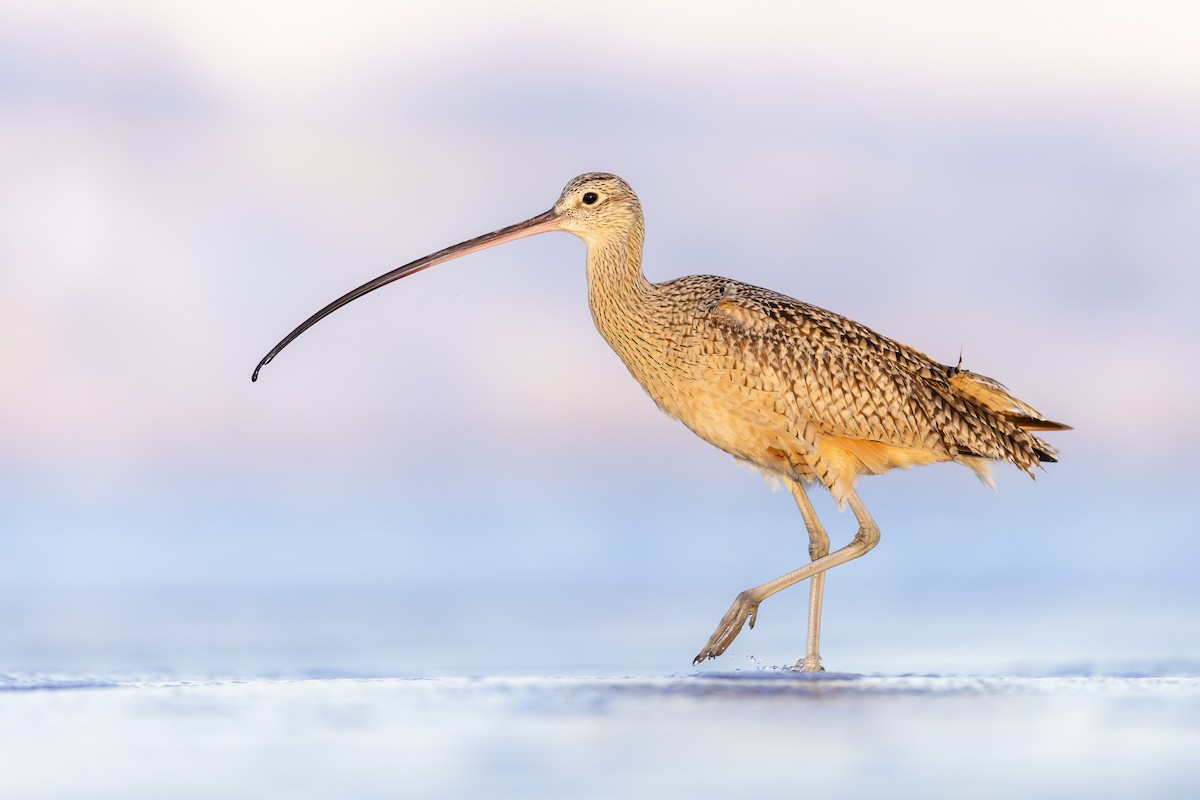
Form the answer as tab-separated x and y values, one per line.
589	198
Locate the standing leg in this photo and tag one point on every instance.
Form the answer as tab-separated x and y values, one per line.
745	605
818	547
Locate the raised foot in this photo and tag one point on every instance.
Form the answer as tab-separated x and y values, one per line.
744	608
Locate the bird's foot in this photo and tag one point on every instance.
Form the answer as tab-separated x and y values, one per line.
809	664
744	608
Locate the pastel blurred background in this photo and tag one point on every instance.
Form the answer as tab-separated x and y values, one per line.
455	475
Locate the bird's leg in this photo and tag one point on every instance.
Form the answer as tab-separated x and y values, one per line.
818	547
745	605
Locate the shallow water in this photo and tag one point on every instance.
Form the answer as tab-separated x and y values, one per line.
713	734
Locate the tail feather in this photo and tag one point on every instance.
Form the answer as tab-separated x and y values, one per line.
1044	452
993	396
1036	424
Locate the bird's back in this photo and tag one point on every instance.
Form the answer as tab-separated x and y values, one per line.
799	390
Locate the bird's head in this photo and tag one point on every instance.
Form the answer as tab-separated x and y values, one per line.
596	206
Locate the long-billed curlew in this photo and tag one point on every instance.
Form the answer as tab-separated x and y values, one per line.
804	394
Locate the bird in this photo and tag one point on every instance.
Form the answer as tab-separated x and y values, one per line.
807	396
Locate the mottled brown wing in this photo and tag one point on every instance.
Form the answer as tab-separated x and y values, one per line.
851	381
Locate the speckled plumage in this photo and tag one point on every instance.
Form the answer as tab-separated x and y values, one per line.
790	387
804	394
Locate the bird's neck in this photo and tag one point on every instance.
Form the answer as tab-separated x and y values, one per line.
618	292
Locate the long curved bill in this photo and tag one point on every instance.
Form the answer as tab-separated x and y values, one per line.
542	223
